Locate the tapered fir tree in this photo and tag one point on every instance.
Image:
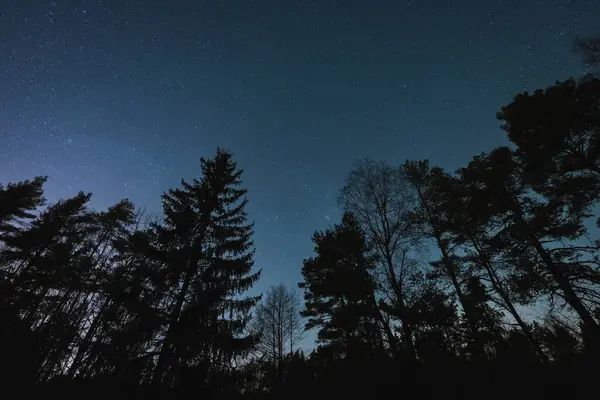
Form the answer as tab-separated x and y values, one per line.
206	246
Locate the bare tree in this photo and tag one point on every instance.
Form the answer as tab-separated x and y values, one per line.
383	201
278	322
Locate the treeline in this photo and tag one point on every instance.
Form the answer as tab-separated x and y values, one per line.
434	284
115	297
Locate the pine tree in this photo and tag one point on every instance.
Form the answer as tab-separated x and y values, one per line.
533	232
205	245
460	219
48	263
439	205
557	134
112	228
17	201
339	290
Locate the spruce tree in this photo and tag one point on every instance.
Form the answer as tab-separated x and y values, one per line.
206	247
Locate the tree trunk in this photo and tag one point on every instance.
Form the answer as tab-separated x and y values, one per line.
406	325
385	326
173	319
471	320
448	265
498	288
87	340
274	342
555	270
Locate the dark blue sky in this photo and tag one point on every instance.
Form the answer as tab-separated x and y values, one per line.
122	98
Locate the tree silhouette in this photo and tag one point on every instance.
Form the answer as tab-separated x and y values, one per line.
278	323
100	348
539	223
439	207
18	201
339	290
94	296
382	201
205	247
52	267
434	315
558	140
48	261
458	217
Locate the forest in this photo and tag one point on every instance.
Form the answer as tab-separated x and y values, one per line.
484	281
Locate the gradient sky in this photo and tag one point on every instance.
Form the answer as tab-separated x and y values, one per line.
121	98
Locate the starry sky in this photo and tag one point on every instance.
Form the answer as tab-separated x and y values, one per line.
121	98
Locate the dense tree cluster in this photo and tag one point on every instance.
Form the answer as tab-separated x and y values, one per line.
433	281
112	296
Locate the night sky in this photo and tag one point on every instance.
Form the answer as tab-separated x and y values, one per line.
121	98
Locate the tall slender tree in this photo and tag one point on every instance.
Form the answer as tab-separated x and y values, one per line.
206	247
459	221
114	227
382	202
439	205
